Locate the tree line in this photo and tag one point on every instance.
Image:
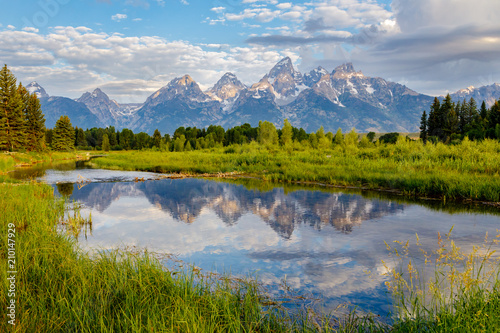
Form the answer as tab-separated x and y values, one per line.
448	121
192	138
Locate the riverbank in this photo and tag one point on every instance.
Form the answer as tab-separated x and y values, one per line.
12	160
468	171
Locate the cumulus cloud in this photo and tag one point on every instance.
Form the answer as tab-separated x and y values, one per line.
30	29
415	44
119	17
218	9
75	59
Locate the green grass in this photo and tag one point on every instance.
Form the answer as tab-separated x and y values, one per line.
468	171
459	293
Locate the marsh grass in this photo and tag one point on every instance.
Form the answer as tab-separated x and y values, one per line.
450	290
467	171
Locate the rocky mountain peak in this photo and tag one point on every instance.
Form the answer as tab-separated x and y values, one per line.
345	71
314	76
95	97
186	80
284	68
345	68
286	82
227	87
35	88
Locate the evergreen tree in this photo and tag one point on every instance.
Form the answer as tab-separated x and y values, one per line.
12	122
483	113
448	118
472	115
423	127
434	124
81	140
35	121
105	142
286	133
156	138
494	115
63	136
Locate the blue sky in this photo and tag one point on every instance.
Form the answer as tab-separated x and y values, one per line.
130	48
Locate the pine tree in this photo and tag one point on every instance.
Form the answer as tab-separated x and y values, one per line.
156	138
484	111
423	127
12	122
35	121
494	115
448	118
105	142
472	114
63	137
434	125
81	140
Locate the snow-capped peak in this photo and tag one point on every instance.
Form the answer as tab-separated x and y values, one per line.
35	88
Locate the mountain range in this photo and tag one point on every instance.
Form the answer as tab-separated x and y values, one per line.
342	98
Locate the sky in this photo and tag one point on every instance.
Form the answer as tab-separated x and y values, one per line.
131	48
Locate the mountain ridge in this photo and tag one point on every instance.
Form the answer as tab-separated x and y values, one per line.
342	98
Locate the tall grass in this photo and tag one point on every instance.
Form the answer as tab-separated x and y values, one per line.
459	293
468	171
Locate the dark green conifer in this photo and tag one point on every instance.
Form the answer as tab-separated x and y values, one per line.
434	125
156	138
35	121
64	137
12	122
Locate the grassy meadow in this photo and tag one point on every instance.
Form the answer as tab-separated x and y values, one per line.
465	171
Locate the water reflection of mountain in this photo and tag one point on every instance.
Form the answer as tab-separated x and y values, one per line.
185	199
99	196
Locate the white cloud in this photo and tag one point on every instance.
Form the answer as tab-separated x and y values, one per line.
138	19
30	29
278	28
119	17
218	9
260	14
73	60
284	5
11	27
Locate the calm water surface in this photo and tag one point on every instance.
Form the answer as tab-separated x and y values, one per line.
327	244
